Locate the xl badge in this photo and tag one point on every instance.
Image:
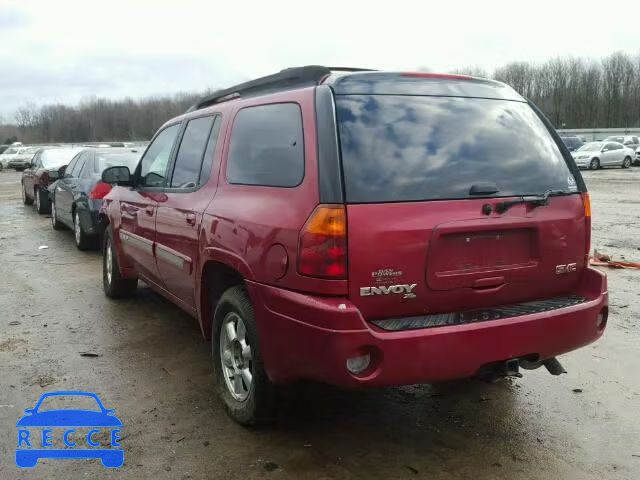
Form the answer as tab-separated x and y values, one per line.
405	290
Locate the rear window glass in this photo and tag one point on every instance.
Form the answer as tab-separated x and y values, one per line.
267	146
56	158
109	159
409	148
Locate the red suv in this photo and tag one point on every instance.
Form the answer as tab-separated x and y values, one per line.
360	228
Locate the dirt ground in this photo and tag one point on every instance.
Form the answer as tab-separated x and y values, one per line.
154	369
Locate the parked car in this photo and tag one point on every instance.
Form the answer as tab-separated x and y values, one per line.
42	171
595	155
77	196
23	159
360	229
9	154
572	142
630	141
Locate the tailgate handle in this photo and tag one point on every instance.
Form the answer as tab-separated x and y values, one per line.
489	282
484	188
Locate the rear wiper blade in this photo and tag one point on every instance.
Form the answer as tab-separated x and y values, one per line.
534	200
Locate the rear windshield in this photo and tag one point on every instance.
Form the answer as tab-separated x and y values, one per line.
408	148
108	159
58	157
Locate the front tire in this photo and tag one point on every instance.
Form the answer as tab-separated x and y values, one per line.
626	163
595	164
242	381
114	285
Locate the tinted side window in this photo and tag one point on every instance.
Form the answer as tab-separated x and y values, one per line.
80	161
189	158
267	146
68	172
205	171
153	166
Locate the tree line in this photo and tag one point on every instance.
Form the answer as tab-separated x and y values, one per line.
572	92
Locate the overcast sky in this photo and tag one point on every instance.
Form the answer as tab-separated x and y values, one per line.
63	50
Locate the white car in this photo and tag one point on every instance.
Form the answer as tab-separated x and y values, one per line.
9	154
595	155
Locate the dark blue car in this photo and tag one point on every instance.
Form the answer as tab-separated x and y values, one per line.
76	197
68	419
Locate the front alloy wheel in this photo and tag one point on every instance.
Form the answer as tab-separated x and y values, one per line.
235	355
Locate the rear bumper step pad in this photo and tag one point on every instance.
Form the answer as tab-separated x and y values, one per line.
479	315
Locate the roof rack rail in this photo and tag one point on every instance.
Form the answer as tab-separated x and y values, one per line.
295	77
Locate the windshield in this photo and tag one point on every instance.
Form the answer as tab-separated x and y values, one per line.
108	159
590	147
10	151
56	158
64	402
411	148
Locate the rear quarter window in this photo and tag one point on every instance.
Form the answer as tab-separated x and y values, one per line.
413	148
267	146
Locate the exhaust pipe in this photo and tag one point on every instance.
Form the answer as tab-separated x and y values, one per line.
554	366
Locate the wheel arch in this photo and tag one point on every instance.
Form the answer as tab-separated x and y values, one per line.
216	277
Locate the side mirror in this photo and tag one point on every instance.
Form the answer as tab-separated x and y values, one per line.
61	171
605	149
118	175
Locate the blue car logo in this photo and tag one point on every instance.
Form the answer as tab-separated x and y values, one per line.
31	447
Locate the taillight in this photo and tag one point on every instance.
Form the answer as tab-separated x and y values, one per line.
586	202
100	191
322	250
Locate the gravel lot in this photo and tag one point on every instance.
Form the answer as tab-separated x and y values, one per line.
153	368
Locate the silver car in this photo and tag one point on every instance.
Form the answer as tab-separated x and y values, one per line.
595	155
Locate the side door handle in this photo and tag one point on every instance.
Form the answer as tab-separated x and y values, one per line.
149	209
128	211
191	219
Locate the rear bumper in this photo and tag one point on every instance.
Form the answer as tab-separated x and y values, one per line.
307	337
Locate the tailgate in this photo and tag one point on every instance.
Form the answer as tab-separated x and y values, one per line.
435	257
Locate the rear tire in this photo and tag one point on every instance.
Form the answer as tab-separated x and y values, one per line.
114	285
236	351
26	200
54	216
42	203
626	163
595	164
81	239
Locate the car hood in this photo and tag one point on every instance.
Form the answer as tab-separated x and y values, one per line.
69	418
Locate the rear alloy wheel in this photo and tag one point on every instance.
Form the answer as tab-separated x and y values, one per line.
114	285
83	241
39	201
243	385
25	198
595	164
626	162
54	215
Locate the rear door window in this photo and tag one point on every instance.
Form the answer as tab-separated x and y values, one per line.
412	148
267	146
186	171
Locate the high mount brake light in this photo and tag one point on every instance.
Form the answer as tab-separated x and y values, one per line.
322	248
100	191
442	76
